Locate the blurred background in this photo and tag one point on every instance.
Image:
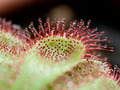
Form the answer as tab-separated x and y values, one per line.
104	14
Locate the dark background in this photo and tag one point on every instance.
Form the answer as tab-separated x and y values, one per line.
103	14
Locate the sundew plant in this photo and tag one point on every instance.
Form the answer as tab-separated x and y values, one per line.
53	57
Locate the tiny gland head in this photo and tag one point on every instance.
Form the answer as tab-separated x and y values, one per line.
53	41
